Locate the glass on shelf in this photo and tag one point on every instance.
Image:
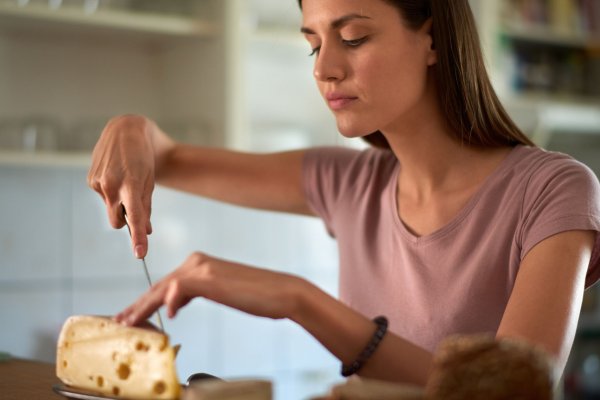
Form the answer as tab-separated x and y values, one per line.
30	134
175	8
87	6
10	135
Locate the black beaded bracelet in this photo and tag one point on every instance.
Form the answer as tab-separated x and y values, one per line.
382	325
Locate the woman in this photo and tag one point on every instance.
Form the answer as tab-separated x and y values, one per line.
453	223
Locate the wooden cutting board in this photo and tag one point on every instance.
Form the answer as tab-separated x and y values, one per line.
26	379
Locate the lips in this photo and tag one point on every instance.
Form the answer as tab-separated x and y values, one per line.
338	101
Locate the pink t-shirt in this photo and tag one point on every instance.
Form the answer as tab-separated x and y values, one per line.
459	278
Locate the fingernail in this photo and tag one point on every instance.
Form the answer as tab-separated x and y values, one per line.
130	320
138	251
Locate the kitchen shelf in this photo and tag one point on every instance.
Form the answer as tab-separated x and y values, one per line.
548	36
43	17
544	64
45	159
566	113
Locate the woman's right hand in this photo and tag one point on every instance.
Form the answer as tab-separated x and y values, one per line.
123	170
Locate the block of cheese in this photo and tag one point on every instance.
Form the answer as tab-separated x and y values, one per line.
100	355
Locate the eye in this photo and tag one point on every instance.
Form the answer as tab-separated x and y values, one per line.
355	42
348	43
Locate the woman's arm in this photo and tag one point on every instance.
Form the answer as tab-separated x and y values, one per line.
133	153
546	300
343	331
263	181
543	308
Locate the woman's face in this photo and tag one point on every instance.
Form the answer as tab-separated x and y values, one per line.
370	67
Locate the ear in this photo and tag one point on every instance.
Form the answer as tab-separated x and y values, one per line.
427	31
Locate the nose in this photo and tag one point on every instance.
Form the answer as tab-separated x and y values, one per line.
329	64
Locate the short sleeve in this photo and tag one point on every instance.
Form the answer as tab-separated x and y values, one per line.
562	195
324	175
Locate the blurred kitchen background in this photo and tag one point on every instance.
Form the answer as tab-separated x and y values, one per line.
232	73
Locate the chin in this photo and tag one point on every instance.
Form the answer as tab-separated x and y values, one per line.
353	130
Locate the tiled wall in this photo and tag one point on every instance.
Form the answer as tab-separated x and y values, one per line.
59	257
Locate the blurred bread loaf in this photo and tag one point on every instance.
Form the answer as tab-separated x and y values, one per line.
481	367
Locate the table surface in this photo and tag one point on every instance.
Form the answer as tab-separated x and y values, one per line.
26	379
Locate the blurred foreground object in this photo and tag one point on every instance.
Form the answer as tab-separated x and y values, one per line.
214	389
369	389
467	367
482	367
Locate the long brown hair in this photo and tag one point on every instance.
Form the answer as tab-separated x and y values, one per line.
470	104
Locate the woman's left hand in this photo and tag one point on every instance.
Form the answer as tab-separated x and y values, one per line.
255	291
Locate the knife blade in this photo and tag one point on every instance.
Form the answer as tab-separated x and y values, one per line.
158	317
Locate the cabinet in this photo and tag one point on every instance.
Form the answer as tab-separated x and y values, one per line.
66	69
233	73
544	59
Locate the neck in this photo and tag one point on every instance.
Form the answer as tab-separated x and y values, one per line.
432	160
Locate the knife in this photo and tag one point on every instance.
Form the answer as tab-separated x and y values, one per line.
160	323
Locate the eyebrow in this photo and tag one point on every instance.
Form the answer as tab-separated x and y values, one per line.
338	23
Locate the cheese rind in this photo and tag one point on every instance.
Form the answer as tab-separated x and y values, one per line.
98	354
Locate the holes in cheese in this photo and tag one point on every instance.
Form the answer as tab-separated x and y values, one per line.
164	344
159	387
141	346
65	363
116	390
100	381
123	371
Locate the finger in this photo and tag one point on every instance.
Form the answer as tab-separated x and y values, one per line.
115	214
142	309
106	189
175	298
147	203
92	182
136	220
